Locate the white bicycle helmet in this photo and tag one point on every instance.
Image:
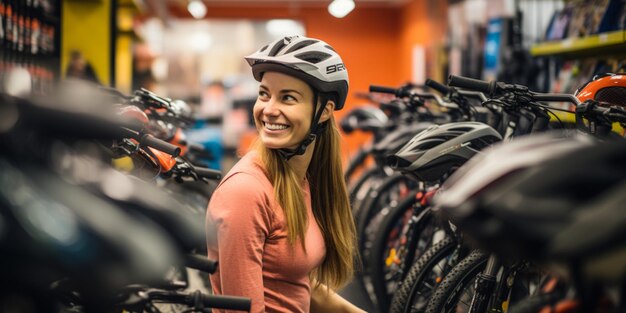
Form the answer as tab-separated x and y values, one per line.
314	62
311	60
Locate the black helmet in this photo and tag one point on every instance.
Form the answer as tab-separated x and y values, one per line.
440	148
365	118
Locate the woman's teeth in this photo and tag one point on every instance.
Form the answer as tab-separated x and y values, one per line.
275	126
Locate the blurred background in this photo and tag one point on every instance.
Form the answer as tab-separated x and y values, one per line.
193	49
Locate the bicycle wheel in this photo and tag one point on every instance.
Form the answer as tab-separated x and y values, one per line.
417	288
370	179
380	200
355	163
454	294
383	269
391	190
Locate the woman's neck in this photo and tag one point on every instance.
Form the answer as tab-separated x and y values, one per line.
300	163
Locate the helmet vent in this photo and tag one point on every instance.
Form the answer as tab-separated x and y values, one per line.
330	48
429	144
279	45
460	129
313	57
612	95
482	143
264	48
300	45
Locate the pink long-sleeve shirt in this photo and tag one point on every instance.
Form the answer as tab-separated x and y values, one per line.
255	257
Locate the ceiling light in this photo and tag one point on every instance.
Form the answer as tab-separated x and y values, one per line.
340	8
282	27
197	9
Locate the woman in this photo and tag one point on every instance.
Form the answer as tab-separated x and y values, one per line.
285	233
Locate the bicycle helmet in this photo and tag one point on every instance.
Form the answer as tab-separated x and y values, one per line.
606	88
395	140
438	149
514	197
314	62
365	118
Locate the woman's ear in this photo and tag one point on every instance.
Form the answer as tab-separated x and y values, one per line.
328	111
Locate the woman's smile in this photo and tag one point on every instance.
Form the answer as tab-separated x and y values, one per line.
275	127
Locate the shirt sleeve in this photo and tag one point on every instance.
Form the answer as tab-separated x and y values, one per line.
241	215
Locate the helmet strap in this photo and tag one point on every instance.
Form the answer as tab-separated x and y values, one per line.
316	129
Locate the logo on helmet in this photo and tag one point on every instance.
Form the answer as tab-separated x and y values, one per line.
335	68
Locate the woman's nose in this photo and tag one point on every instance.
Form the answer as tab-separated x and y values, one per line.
271	108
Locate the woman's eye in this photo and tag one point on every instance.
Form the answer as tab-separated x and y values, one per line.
263	94
289	98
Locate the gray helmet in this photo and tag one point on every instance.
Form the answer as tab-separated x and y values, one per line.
308	59
438	149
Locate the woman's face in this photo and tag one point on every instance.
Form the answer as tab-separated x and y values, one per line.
283	110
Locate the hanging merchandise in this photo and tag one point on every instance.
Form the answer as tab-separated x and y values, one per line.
28	37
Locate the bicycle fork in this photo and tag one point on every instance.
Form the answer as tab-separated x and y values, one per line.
484	285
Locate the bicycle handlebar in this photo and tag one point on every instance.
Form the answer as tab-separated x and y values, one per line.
151	141
443	89
403	92
382	89
474	94
205	172
200	263
493	87
471	83
590	109
209	301
555	97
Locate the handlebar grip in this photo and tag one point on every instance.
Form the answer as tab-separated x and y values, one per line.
443	89
382	89
200	263
471	83
555	97
196	147
161	145
227	302
207	172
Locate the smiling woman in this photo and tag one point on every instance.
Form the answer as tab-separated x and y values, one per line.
283	111
286	235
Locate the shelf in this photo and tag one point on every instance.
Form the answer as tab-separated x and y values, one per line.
585	45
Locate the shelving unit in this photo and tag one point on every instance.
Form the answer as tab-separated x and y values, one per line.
604	43
30	41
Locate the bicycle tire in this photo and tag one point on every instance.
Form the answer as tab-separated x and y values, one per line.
363	219
380	246
355	163
369	209
405	294
354	190
463	273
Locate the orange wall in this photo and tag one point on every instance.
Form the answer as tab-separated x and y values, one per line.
374	41
424	22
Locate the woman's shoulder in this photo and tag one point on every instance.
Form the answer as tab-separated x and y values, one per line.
251	168
246	177
244	187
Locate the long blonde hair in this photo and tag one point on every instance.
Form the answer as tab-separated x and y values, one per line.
329	200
